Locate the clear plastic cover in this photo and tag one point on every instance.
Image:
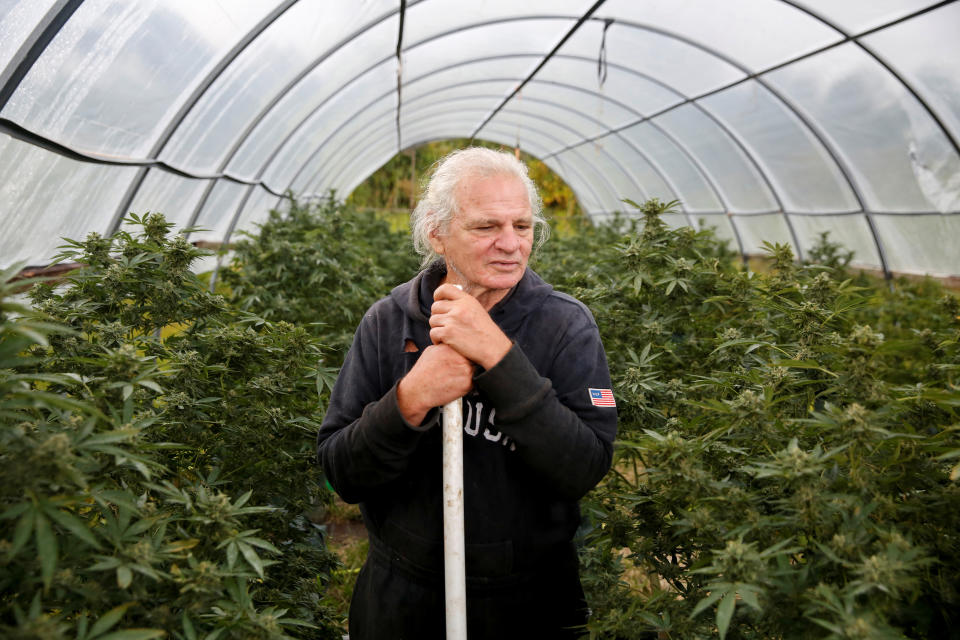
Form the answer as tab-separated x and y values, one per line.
624	85
117	71
736	177
497	68
920	244
851	231
686	179
324	173
722	226
255	211
730	27
754	230
925	50
745	107
899	157
684	68
609	198
469	110
640	181
48	197
804	174
328	77
307	31
334	175
525	135
17	21
167	193
856	16
334	114
487	90
518	37
623	184
219	211
580	126
586	195
427	20
589	101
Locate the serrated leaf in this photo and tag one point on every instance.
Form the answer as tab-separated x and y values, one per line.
17	509
46	548
21	533
706	603
72	524
107	620
134	634
231	554
107	437
188	630
242	500
181	545
150	384
250	555
260	542
725	612
749	596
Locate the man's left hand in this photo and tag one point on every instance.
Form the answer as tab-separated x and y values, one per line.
458	320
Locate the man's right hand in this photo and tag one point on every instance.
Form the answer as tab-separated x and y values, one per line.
439	376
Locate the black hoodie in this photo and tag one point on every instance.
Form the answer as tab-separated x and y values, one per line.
534	440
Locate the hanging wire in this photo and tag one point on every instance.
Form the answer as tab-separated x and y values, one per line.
602	55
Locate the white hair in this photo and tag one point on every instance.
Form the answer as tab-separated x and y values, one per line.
439	203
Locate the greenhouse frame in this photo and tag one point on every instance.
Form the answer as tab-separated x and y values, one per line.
770	120
284	355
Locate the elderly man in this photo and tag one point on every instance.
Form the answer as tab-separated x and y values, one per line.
538	415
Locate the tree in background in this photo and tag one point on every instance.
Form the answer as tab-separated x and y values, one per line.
395	184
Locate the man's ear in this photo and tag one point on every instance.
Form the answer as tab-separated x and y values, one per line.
435	241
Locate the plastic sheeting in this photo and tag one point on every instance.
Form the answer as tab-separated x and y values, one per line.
766	119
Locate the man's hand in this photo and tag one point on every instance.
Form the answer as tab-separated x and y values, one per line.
458	320
439	376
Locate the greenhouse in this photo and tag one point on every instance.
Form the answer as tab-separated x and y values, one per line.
762	216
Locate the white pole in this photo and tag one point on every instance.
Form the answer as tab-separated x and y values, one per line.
455	577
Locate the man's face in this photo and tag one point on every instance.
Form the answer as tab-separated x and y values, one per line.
489	239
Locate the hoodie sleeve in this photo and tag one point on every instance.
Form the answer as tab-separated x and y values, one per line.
559	431
364	442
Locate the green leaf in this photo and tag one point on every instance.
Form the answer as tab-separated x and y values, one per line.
109	619
188	631
231	553
107	437
134	634
749	596
72	524
21	534
725	612
706	602
150	384
242	500
260	542
46	548
251	557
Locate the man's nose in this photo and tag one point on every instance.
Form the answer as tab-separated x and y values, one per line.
508	240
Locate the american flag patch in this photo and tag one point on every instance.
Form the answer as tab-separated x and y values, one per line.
601	398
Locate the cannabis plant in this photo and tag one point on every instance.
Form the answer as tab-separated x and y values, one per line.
182	457
788	442
319	265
